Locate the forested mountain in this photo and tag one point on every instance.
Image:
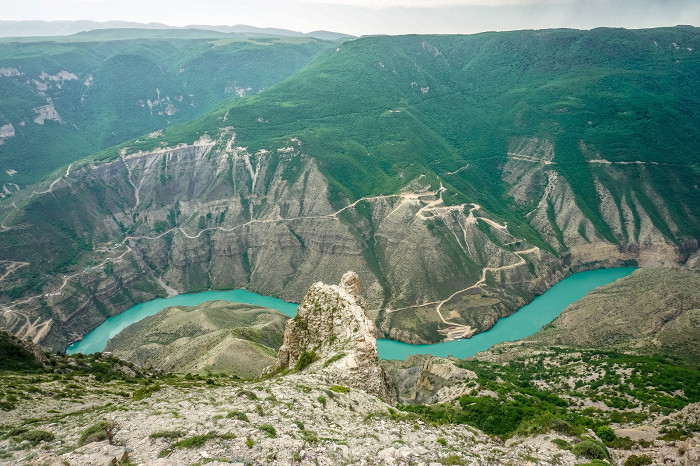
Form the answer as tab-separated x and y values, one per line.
63	98
459	175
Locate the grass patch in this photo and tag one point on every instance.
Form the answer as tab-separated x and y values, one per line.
339	389
167	434
103	430
240	415
269	430
195	441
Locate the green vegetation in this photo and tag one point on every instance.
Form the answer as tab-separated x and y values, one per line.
606	434
167	434
14	357
34	437
240	415
146	392
305	360
117	89
103	430
268	429
641	460
339	389
590	449
194	441
519	408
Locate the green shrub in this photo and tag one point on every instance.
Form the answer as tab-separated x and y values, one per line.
674	434
605	433
309	437
590	449
442	441
561	443
36	436
269	430
248	394
322	399
621	443
547	422
195	441
305	360
240	415
146	392
103	430
635	460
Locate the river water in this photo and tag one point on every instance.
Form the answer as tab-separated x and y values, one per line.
525	322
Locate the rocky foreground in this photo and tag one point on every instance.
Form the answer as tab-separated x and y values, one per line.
328	401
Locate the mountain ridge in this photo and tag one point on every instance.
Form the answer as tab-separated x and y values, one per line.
61	28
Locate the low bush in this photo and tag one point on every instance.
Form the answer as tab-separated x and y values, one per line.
635	460
145	392
103	430
269	430
605	433
304	360
590	449
240	415
36	436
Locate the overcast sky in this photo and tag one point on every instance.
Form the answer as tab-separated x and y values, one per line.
370	16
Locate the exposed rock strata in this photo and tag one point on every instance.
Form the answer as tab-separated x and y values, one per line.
213	215
332	326
428	379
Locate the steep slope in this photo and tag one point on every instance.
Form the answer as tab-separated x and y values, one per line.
214	337
458	175
64	98
332	335
652	310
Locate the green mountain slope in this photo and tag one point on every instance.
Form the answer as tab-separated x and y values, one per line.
214	337
653	310
63	98
458	175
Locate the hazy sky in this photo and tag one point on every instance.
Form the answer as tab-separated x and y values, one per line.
370	16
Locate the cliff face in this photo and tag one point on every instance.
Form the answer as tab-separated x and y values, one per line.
452	219
331	327
214	215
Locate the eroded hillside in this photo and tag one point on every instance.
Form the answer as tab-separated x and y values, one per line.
455	194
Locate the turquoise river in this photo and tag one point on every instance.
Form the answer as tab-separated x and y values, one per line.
526	321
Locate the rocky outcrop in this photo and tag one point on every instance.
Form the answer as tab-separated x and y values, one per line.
426	379
332	331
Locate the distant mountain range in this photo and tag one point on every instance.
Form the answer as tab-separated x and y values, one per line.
64	28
